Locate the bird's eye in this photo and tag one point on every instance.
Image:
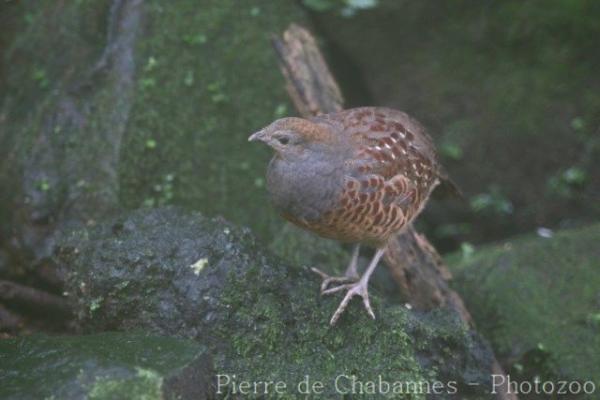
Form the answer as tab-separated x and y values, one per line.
283	140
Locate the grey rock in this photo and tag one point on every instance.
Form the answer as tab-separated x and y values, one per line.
104	366
173	272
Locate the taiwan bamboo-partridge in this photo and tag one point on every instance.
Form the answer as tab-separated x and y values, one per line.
358	176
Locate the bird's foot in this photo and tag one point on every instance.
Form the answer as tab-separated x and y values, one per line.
328	280
359	288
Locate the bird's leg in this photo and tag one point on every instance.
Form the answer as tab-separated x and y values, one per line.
359	288
350	275
352	269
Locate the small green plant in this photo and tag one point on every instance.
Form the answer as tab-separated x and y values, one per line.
280	111
43	185
451	151
195	40
150	144
467	250
162	192
255	11
189	78
146	83
566	183
494	201
150	64
28	18
578	124
455	138
218	95
40	76
259	182
593	319
96	303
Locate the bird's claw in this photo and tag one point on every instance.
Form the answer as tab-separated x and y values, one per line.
355	289
354	286
328	280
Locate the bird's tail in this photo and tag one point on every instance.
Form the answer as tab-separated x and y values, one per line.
448	187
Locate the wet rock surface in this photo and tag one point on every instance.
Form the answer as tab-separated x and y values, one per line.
105	366
178	273
163	269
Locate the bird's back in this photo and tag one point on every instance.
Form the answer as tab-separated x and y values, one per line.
364	126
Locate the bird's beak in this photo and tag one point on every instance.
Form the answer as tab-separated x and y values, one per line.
260	136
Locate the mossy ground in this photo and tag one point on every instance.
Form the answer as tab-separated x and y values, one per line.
101	366
538	301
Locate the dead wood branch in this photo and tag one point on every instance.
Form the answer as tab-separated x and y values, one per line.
33	300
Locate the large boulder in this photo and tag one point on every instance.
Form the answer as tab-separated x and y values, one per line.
176	273
105	366
538	301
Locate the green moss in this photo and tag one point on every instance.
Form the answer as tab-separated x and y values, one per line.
31	89
287	338
145	385
301	248
96	304
206	77
535	299
104	366
211	79
262	318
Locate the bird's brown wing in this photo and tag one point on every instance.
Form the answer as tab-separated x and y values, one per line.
387	143
372	126
391	168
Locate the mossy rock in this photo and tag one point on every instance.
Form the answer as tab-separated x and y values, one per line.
105	366
177	273
208	78
538	301
145	103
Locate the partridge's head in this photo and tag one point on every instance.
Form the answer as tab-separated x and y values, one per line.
291	137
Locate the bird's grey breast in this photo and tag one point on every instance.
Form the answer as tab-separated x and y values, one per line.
304	188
